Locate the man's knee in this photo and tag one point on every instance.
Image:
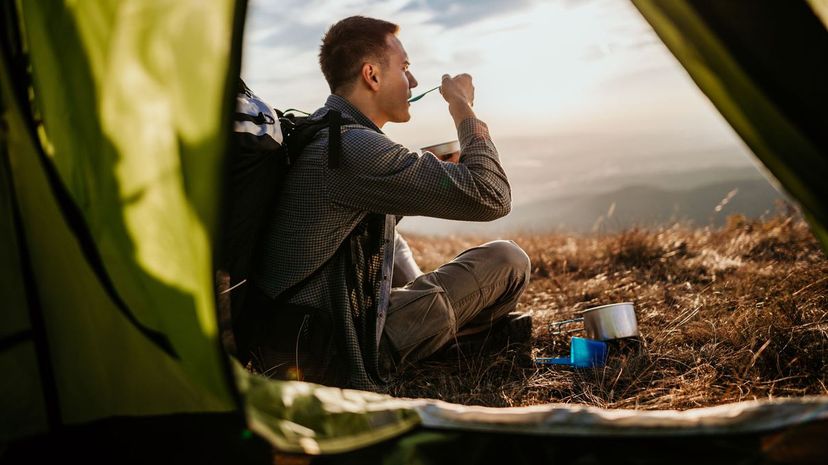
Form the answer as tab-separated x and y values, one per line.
508	254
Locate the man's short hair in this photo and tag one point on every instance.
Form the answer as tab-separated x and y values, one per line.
346	46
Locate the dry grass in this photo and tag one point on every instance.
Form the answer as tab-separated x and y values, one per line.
726	315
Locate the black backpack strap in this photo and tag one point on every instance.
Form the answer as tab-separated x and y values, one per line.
259	119
334	138
300	131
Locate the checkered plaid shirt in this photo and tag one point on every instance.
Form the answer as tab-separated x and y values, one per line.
319	207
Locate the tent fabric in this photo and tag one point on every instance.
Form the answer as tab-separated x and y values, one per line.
574	420
764	67
115	185
137	144
22	412
313	419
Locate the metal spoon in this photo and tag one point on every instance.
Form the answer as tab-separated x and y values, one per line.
414	99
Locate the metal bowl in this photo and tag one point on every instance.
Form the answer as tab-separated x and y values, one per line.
443	149
613	321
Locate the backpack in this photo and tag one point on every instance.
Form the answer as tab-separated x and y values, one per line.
264	144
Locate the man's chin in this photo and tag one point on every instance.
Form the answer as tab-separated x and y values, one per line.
402	118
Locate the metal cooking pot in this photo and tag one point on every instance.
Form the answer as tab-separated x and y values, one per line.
607	322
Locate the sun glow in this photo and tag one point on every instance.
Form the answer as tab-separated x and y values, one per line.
548	54
545	65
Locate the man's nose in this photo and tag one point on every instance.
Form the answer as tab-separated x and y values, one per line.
412	81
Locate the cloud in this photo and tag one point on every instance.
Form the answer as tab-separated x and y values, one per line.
576	3
451	13
300	24
294	35
283	25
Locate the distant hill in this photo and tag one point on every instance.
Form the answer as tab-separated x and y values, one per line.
648	206
747	193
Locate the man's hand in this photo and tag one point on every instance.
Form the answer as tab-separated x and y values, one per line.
458	91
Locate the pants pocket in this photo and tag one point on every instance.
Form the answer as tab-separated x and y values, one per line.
419	322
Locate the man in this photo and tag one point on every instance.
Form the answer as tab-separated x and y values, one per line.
328	258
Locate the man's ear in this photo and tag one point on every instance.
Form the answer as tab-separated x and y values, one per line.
371	75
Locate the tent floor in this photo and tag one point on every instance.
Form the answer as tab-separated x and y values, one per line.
181	439
802	444
221	439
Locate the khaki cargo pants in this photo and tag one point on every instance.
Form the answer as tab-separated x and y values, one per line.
464	296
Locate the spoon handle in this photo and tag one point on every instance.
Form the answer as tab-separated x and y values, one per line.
414	99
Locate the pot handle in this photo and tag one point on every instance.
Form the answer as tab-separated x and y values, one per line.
558	324
553	361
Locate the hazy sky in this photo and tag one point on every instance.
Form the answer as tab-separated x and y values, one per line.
539	67
555	80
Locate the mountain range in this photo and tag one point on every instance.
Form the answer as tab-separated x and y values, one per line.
700	197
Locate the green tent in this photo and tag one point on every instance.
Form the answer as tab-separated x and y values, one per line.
115	116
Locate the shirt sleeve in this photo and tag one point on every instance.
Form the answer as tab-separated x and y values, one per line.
381	176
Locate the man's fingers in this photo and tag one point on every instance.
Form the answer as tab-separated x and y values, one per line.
459	86
443	83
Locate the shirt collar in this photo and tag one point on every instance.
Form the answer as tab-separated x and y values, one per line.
335	102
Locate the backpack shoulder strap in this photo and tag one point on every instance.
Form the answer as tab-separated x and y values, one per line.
335	122
300	131
334	138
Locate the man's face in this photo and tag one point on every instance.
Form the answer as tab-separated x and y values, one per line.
396	82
